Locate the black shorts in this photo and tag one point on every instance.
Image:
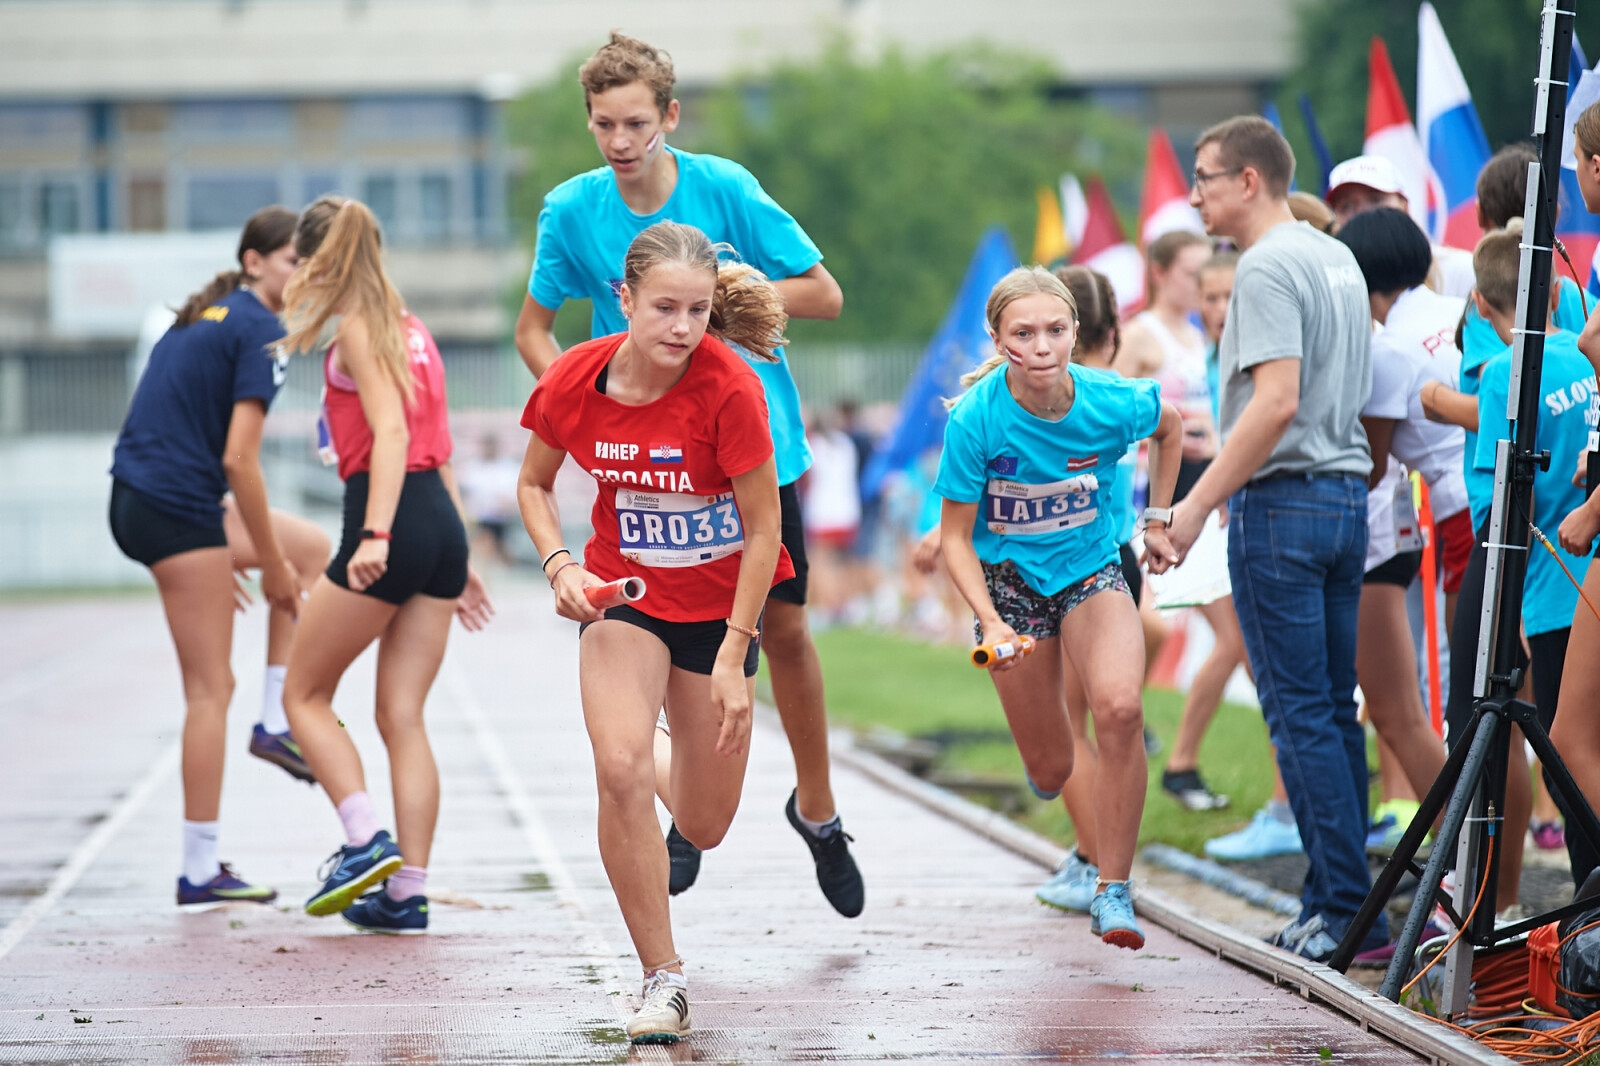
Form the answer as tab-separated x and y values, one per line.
792	590
428	552
1399	570
1131	572
147	534
1189	471
693	646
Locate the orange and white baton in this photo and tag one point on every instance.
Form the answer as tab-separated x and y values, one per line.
616	593
985	655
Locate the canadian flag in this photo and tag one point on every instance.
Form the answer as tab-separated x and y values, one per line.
1104	246
1164	206
1391	134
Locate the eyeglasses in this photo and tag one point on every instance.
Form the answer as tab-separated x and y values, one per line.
1201	177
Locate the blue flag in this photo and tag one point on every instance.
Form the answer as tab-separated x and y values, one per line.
1318	145
1271	114
961	343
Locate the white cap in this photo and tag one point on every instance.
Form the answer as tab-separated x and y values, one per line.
1373	171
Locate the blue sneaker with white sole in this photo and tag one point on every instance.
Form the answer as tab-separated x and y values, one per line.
1263	838
351	871
1111	918
380	913
1072	887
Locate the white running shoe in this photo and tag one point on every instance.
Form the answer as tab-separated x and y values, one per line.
664	1018
661	722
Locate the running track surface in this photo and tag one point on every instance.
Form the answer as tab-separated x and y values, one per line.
952	961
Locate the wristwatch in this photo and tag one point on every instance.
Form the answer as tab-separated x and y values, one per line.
1158	514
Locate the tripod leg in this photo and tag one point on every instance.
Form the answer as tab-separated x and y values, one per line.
1483	739
1384	887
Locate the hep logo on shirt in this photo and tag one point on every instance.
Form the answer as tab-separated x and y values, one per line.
666	453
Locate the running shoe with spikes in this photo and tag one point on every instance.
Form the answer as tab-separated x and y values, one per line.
226	887
1111	917
381	913
280	750
349	872
837	873
664	1016
685	860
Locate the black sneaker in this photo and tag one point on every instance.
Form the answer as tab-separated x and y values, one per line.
1152	744
836	869
685	862
1188	789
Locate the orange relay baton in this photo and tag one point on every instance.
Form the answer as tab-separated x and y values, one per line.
616	593
985	655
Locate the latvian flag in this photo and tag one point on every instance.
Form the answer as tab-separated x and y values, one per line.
666	453
1075	465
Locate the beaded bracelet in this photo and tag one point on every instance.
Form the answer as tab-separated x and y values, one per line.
563	566
753	634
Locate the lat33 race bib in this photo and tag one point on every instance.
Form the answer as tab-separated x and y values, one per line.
1011	508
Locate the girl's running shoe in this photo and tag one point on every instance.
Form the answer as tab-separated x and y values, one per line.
1072	887
1549	836
1111	918
351	871
226	887
379	913
280	750
664	1018
684	862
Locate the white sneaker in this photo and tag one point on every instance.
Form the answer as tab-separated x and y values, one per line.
664	1018
661	722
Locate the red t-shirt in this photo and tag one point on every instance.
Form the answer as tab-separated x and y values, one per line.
344	435
665	511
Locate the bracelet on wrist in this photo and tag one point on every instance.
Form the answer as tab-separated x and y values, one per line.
545	565
753	634
563	566
375	534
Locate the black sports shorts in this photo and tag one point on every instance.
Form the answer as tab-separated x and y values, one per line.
428	549
792	590
693	646
147	534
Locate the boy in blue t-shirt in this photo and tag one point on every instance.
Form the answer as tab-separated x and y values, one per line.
584	231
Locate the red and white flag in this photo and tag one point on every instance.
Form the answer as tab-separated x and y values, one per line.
1392	135
1106	248
1164	206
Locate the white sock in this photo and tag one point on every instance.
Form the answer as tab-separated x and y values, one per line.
200	852
819	829
273	720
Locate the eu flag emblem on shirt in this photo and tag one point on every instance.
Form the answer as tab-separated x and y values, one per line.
666	453
1004	465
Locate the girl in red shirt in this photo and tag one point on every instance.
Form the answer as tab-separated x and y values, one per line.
401	570
673	426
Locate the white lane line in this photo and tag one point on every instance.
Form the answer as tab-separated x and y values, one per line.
88	851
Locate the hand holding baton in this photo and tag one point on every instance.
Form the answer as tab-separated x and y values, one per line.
616	593
985	655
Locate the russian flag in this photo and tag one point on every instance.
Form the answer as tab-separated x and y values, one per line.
1106	248
1391	135
1164	205
1452	137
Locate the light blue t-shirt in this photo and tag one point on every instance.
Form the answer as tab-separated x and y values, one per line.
1479	344
1566	416
1045	490
585	229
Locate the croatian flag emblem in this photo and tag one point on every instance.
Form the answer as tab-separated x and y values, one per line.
666	453
1075	465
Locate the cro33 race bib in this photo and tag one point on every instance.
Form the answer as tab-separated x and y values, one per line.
675	529
1014	509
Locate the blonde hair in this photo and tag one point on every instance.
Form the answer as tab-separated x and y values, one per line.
1307	208
746	308
624	60
345	276
1497	261
1023	281
1586	131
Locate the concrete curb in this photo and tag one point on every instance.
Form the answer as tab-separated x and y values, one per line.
1313	980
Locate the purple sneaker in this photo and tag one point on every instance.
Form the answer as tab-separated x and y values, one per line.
1549	836
226	887
280	750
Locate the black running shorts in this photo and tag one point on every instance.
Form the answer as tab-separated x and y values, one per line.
147	534
693	646
792	590
428	549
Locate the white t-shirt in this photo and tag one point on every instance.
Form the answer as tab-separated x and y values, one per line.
833	497
1417	345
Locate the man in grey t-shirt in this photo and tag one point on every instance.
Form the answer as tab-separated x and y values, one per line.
1295	371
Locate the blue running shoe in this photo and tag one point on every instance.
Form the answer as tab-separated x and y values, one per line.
226	887
280	750
1111	918
350	871
378	913
1309	939
1264	837
1072	887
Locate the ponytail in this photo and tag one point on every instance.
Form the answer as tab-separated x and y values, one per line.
267	230
345	272
748	310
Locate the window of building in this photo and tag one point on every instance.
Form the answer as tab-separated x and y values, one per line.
226	202
318	183
58	207
410	118
234	120
147	204
11	220
436	207
381	193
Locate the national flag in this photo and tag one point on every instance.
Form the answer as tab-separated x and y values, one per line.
1106	248
1050	243
1074	211
1578	230
1452	137
1390	134
1318	145
1271	113
1087	463
1164	206
961	343
666	453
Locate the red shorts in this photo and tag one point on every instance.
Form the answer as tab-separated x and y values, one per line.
1455	537
838	539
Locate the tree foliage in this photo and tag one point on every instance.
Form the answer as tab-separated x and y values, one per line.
1495	41
894	165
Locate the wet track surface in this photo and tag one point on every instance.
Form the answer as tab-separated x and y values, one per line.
527	959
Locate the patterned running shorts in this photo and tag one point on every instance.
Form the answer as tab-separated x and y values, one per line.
1033	615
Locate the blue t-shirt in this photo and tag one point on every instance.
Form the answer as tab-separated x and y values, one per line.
1045	490
1479	344
585	229
1566	416
170	447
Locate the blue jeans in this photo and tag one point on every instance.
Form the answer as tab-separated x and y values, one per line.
1296	551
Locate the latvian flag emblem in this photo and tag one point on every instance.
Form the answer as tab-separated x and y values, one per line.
1075	465
666	453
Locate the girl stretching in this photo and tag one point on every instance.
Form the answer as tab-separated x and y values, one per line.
1027	477
673	426
401	570
193	433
